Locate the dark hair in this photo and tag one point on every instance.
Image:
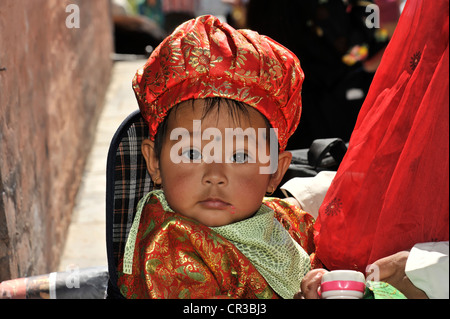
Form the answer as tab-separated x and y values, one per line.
235	109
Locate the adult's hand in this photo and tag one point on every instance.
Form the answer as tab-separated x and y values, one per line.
391	269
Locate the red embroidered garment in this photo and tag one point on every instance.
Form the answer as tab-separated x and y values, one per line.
391	190
176	257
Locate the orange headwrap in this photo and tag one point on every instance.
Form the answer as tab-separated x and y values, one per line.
207	58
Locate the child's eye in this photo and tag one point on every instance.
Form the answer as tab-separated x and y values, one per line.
240	157
192	154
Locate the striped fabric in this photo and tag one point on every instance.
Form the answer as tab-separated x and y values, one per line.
131	182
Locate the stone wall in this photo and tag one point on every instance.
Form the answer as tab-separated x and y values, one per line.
53	80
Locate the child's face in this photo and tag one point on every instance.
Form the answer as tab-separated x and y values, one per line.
214	190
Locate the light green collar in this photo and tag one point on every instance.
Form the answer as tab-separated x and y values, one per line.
132	235
270	248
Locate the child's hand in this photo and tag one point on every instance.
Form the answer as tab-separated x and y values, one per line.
311	284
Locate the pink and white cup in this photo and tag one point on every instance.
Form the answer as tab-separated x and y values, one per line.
343	284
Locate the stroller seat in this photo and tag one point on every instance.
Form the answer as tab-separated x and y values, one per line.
127	180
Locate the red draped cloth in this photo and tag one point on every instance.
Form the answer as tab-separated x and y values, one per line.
392	188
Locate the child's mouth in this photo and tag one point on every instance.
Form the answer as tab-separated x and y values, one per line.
215	203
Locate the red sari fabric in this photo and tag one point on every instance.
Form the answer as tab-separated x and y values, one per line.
391	190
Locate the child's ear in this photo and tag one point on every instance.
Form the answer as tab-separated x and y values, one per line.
148	150
284	160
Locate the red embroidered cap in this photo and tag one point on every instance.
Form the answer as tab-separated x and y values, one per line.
207	58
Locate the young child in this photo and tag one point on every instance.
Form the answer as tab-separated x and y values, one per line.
220	104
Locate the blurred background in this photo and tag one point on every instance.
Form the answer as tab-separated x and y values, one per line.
65	86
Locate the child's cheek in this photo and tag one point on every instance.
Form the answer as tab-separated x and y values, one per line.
179	179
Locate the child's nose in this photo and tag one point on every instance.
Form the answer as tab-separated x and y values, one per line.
214	174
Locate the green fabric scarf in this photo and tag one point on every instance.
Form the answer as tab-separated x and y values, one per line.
270	248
